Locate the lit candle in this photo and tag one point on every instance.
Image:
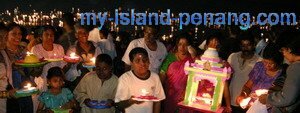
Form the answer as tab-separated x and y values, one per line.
164	37
261	91
73	56
144	92
118	39
93	60
111	26
29	53
117	29
245	102
28	87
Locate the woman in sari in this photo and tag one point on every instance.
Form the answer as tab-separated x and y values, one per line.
172	74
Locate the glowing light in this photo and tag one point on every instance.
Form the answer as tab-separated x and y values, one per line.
245	102
93	60
73	56
144	92
261	91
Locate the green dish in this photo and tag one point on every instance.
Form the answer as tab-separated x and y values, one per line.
57	110
39	64
18	95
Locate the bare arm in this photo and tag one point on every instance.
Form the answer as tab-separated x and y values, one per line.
162	77
71	104
156	107
245	91
40	108
227	95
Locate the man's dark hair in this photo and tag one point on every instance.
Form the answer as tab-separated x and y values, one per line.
137	50
105	58
68	18
247	36
271	52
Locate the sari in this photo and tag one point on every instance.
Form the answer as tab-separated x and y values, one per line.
175	85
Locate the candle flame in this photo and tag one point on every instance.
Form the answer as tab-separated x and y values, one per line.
27	86
245	102
93	60
28	53
73	55
144	92
261	91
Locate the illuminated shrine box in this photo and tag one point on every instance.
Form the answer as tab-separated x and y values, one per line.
205	84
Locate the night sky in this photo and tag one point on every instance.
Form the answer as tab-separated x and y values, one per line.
201	6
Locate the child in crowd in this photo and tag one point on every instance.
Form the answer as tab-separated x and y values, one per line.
137	80
100	85
56	97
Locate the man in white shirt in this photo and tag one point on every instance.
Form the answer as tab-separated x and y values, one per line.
156	50
242	63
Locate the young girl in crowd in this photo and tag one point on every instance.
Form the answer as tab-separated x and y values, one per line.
56	97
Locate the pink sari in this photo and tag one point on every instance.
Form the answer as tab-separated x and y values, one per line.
175	85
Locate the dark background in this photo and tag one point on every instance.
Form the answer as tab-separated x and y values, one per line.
252	6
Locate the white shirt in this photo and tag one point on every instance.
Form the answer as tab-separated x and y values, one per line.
108	47
94	35
40	52
240	73
155	57
129	85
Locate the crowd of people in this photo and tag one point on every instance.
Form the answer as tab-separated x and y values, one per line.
122	70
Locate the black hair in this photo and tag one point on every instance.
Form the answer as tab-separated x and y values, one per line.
271	51
294	46
290	39
155	29
68	18
104	32
12	25
47	27
85	27
247	36
182	36
55	72
105	58
3	28
137	50
214	34
43	29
